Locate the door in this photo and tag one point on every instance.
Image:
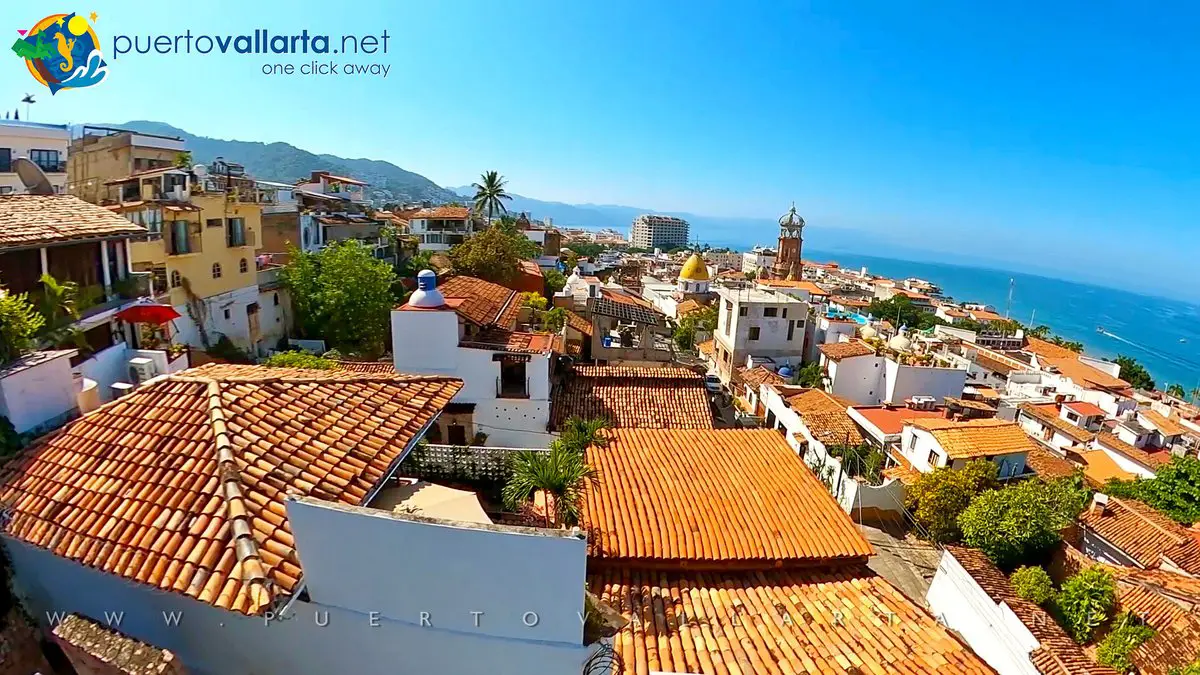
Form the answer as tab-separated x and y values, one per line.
252	320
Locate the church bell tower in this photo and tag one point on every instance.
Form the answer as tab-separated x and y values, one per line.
788	264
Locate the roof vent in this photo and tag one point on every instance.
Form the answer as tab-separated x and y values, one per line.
427	295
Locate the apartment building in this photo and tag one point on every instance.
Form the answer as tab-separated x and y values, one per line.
43	144
752	322
654	231
103	153
441	228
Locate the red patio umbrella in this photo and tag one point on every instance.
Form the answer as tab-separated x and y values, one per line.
148	312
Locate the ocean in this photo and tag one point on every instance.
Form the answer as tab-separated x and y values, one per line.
1149	329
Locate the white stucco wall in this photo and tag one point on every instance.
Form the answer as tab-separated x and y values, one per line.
37	394
236	327
109	366
1125	463
274	320
858	378
903	382
990	629
1097	548
357	564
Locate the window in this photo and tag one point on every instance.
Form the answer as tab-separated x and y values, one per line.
513	382
243	266
226	315
216	270
235	232
6	190
743	311
5	160
456	434
933	458
48	160
785	312
1072	416
754	332
275	299
770	311
179	237
159	278
791	330
214	222
176	280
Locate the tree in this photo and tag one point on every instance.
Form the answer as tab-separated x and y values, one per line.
1041	332
553	320
1020	523
560	473
19	325
10	442
1085	602
751	275
703	319
555	281
491	255
1033	584
1073	345
1174	490
586	249
810	375
183	159
299	360
1128	633
343	295
580	434
415	263
938	497
900	308
533	301
1192	668
490	194
1134	373
1176	390
60	307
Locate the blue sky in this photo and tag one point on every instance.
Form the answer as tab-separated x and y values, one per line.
1062	134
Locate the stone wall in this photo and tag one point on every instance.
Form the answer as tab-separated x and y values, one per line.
95	650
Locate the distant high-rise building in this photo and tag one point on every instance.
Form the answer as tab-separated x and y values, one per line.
653	231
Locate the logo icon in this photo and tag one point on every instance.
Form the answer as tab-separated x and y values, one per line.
62	52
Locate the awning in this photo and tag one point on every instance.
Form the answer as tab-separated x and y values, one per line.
148	313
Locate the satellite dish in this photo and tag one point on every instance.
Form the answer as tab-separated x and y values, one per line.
33	177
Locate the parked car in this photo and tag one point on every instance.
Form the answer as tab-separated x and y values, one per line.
712	383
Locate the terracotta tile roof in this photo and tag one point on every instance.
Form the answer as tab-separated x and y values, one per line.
1150	460
725	496
482	302
1047	415
579	323
623	296
902	471
1044	348
116	651
997	365
1165	425
985	316
1174	647
812	288
35	220
705	348
777	621
836	351
496	339
1158	597
849	302
443	213
181	484
1084	408
646	398
826	418
372	367
1141	532
1057	653
969	404
986	437
1048	465
1068	364
687	307
757	376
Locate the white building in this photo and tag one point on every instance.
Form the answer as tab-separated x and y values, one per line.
757	323
441	228
936	442
468	329
869	376
651	231
339	187
43	144
757	259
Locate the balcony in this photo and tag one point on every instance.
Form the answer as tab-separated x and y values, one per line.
52	167
187	241
268	277
236	239
512	387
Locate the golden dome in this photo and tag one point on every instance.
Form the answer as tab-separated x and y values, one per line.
694	269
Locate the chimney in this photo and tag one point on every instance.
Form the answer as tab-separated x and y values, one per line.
316	176
1099	504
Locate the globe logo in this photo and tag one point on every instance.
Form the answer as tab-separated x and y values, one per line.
62	52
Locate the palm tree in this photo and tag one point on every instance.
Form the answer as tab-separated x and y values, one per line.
490	194
559	473
1195	394
580	434
421	260
1176	390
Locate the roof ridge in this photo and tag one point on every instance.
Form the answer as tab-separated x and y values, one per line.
245	545
354	376
1126	504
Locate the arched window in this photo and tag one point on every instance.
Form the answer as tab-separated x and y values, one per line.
176	280
216	270
243	266
276	299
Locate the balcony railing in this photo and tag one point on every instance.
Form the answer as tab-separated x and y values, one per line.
510	389
246	239
53	167
180	244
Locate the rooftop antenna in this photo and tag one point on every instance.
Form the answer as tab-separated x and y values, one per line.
32	176
28	100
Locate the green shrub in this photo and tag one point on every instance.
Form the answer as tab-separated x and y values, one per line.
299	360
1033	584
1192	668
19	325
225	349
1019	524
1127	635
938	497
1085	602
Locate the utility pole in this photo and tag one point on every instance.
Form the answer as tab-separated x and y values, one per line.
1008	308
